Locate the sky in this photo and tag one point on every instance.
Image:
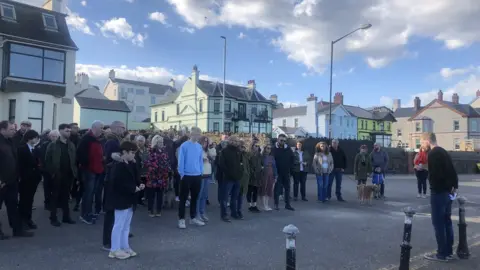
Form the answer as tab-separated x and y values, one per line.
414	48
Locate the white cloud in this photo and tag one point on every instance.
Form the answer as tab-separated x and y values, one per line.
146	26
282	84
78	23
83	3
305	29
449	72
386	101
270	62
187	29
241	35
120	28
158	17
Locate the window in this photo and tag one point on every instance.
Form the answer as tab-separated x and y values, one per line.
418	128
228	106
242	110
49	22
417	144
361	124
474	125
284	122
153	100
216	106
123	94
200	105
382	126
246	124
140	91
399	132
374	125
8	12
216	127
456	144
456	125
156	117
54	118
12	107
35	114
178	109
163	116
130	90
37	64
296	122
253	110
227	127
140	109
341	121
388	126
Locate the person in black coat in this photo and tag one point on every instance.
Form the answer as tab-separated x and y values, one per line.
284	159
30	176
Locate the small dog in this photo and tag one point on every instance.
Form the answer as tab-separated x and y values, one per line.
365	193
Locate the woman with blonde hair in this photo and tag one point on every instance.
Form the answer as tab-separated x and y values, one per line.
322	166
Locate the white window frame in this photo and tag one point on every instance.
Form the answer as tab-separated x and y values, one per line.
44	16
456	122
3	6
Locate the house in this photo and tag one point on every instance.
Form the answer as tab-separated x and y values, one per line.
373	124
91	105
199	104
314	118
139	96
37	64
290	132
451	121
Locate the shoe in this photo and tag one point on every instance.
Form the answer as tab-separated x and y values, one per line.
177	199
151	214
130	235
289	207
424	196
68	221
451	258
255	209
226	219
106	247
23	234
327	199
87	220
197	222
435	257
55	223
119	254
341	199
304	199
76	208
238	216
204	218
31	225
181	224
276	207
158	214
131	252
419	195
208	202
250	208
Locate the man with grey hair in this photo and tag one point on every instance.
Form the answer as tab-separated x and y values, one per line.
90	159
379	159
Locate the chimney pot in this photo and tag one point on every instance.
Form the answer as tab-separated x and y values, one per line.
440	95
111	74
416	104
455	98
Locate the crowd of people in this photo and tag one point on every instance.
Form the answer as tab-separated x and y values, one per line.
109	170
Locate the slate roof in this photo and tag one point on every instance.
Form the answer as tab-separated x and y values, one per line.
405	112
102	104
215	89
289	130
169	99
29	24
154	88
462	108
286	112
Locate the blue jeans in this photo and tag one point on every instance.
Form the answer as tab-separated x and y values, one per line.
203	196
229	188
322	185
91	182
337	175
121	229
442	223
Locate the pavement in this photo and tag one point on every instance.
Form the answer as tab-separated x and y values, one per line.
335	235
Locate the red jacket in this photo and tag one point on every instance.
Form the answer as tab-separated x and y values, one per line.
422	158
90	154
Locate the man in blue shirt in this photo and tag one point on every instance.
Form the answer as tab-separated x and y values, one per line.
190	169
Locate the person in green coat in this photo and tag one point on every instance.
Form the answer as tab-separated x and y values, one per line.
244	180
362	165
256	179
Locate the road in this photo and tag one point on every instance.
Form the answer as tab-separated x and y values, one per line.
332	236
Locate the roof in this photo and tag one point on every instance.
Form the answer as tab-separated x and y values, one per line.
290	130
463	109
215	89
102	104
169	99
286	112
90	92
405	112
29	25
154	88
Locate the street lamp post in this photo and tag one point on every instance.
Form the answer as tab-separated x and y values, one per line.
363	27
224	78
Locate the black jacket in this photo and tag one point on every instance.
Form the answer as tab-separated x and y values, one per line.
41	151
17	138
230	163
28	165
339	158
284	159
121	186
8	161
441	172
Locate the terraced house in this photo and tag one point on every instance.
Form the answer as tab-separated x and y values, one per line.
453	123
199	103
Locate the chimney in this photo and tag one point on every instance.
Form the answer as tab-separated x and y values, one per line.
172	83
396	104
251	84
478	93
455	98
312	97
195	74
274	98
111	74
440	95
83	81
416	104
55	5
338	98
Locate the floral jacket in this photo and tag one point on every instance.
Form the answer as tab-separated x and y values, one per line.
158	168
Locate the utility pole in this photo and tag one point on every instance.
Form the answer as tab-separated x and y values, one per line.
224	79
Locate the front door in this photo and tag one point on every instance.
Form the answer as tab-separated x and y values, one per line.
242	110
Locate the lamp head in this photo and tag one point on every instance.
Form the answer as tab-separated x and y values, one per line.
366	26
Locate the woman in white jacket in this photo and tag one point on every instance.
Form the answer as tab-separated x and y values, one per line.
207	176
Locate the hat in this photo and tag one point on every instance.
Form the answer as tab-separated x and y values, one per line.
26	123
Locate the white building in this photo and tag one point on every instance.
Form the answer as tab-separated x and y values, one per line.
138	96
37	64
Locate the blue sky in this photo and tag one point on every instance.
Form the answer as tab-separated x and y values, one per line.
412	49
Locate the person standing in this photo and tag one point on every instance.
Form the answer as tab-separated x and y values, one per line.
190	169
9	180
323	165
244	181
284	160
206	178
362	166
379	159
212	153
30	176
269	176
420	163
300	171
256	165
339	166
443	187
218	172
141	158
41	151
61	164
18	137
90	159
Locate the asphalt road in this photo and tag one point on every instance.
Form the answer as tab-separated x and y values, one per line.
332	236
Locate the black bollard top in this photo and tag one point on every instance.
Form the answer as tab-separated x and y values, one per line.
461	200
409	211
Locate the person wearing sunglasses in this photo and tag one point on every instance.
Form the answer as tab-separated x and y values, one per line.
284	159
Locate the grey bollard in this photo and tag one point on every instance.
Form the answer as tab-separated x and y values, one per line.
407	235
462	249
291	232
